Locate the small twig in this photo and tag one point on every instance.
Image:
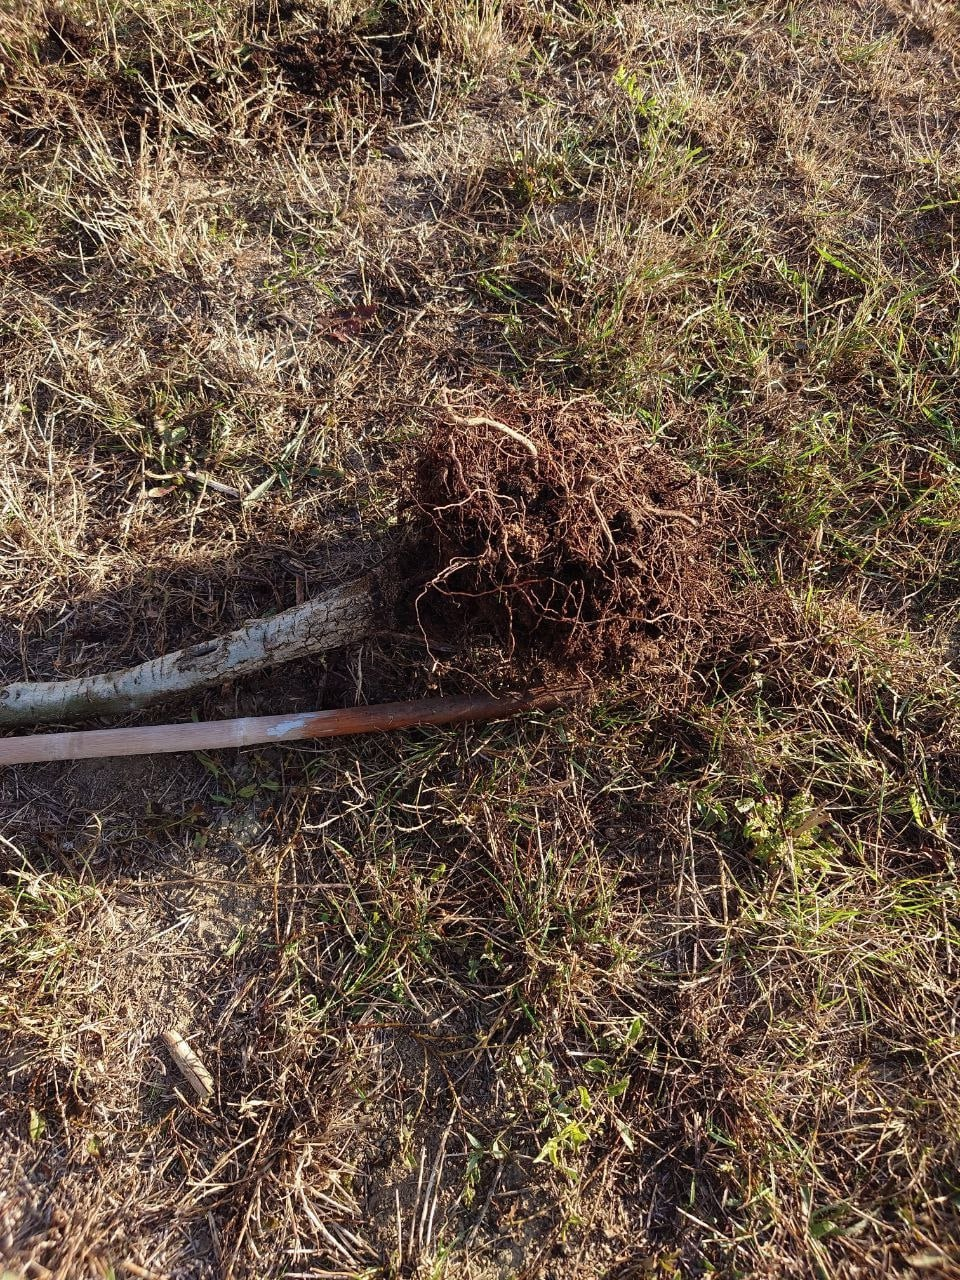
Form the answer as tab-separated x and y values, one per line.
494	1185
669	513
602	520
189	1064
208	482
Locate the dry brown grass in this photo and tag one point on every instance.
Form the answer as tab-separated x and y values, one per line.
640	991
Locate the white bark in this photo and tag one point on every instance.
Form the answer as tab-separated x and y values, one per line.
341	616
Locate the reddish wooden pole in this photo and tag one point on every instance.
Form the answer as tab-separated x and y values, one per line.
210	734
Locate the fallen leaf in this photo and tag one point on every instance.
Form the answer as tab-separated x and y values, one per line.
348	322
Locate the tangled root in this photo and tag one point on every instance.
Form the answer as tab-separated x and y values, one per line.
582	546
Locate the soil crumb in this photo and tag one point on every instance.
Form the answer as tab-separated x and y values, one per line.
580	544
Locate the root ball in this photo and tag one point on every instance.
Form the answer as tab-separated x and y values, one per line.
583	546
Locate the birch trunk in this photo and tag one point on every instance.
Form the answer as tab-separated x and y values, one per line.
342	616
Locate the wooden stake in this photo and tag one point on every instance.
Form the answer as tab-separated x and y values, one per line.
250	730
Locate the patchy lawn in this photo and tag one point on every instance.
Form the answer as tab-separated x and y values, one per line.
662	986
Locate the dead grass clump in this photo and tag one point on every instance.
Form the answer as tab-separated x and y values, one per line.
579	543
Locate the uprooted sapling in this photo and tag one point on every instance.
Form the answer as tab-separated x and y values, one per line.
585	548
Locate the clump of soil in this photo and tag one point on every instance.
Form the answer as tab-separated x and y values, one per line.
579	543
383	54
62	38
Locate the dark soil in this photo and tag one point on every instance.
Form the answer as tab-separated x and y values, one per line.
378	61
380	55
384	60
63	39
581	546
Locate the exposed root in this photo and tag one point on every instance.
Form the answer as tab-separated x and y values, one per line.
481	420
577	541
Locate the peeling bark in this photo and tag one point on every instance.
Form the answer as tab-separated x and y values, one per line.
341	616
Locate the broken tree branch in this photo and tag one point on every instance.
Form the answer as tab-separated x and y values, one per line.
207	736
341	616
